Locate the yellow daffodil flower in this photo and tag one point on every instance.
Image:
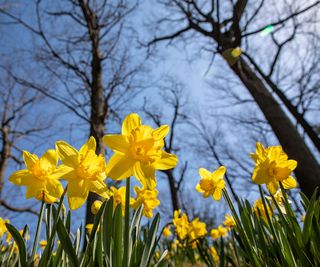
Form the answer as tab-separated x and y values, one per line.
181	224
175	244
272	167
211	184
26	237
229	221
147	198
3	228
119	196
89	228
219	232
86	171
9	238
95	207
303	217
43	244
166	232
214	254
278	196
138	151
259	210
41	176
197	229
36	259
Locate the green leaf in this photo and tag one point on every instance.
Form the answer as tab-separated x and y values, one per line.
117	237
150	243
127	236
66	243
20	243
107	227
98	250
96	222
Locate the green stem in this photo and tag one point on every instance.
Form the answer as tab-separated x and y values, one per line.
126	226
240	228
48	221
267	213
286	201
45	255
36	238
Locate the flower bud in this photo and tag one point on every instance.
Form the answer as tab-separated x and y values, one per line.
96	206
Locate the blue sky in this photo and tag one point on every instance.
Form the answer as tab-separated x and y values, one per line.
200	93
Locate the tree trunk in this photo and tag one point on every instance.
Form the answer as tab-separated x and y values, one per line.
173	191
294	111
97	99
308	170
4	155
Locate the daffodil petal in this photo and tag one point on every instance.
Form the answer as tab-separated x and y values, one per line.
76	202
260	176
61	171
259	148
46	198
89	145
132	121
29	159
77	194
221	184
166	162
34	191
292	164
49	159
204	173
54	187
22	177
217	194
198	188
67	153
145	174
161	132
289	183
116	142
120	167
98	187
273	186
219	173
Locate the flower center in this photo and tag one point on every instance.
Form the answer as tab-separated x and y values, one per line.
207	185
83	171
90	166
39	172
272	171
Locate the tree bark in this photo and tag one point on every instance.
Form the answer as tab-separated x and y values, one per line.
97	99
173	191
4	155
308	170
294	111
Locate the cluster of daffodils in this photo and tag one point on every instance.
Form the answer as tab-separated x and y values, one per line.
272	168
10	243
138	151
187	233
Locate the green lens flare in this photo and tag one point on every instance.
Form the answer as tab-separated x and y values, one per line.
267	30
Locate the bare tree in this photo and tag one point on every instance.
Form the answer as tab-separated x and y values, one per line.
173	97
84	50
227	26
16	103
